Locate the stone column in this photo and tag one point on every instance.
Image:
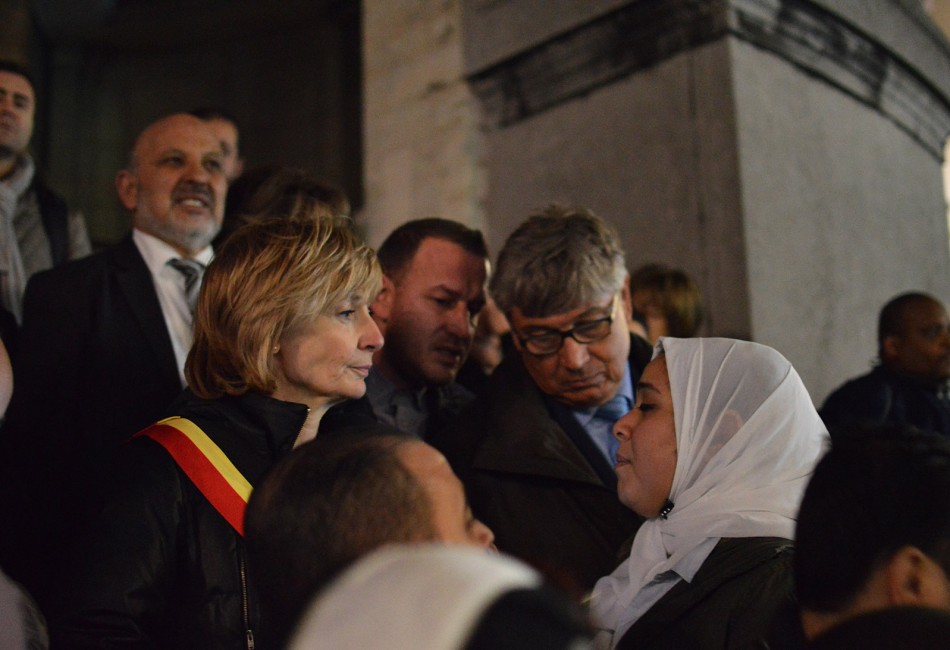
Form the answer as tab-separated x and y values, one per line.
422	154
786	153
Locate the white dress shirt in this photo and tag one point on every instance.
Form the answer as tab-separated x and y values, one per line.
170	287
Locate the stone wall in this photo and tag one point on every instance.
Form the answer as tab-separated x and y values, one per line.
423	154
786	153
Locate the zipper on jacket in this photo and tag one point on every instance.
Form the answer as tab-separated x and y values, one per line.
245	609
299	431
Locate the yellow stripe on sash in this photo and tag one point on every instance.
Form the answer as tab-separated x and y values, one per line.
213	453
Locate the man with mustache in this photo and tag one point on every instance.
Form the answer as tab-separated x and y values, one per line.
434	274
535	451
104	339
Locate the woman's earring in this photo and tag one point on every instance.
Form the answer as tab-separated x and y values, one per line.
276	348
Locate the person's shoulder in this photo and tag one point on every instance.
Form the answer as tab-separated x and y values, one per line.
922	628
343	418
862	396
79	271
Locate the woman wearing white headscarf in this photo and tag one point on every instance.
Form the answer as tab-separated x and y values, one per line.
716	455
440	597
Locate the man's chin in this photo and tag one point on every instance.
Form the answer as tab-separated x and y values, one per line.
440	375
584	399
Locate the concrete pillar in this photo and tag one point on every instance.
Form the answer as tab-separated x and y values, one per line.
422	145
787	154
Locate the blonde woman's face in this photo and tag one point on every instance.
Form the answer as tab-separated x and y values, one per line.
327	360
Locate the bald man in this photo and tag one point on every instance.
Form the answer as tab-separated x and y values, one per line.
104	339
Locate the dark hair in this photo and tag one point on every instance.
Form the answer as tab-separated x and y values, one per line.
324	506
208	113
403	242
675	293
880	488
9	65
277	191
890	322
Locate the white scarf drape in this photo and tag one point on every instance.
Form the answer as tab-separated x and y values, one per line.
410	597
747	438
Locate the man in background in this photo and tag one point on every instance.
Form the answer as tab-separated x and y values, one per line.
37	229
872	543
340	497
104	341
535	451
911	385
434	275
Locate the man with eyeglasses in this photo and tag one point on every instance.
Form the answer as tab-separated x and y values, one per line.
536	451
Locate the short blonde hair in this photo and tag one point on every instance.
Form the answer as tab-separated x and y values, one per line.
269	278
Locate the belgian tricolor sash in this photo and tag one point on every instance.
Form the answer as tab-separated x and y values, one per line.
205	465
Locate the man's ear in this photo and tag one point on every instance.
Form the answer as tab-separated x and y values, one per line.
913	578
383	305
126	185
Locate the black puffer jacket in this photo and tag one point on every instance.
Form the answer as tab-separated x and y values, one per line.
159	567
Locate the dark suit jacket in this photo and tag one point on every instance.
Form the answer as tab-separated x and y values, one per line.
94	364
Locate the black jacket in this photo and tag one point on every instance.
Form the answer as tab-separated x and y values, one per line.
159	567
884	397
94	364
741	598
534	476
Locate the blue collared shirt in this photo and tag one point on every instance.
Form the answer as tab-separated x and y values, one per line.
600	430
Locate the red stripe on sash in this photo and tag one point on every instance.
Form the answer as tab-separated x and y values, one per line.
201	472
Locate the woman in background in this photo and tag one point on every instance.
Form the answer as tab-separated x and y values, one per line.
666	302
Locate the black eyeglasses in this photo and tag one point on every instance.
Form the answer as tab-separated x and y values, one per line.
591	331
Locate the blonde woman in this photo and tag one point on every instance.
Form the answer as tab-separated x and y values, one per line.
282	332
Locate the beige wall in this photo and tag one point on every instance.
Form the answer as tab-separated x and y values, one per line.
423	153
798	204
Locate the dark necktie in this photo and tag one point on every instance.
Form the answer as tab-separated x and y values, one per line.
192	272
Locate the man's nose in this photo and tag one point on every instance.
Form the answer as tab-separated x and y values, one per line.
459	322
573	354
197	172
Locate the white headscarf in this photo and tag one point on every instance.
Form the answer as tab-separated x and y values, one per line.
747	439
411	597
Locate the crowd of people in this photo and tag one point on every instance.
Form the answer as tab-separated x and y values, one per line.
242	427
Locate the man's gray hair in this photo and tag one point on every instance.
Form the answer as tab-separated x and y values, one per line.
557	260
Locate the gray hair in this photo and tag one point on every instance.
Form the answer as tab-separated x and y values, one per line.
557	260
